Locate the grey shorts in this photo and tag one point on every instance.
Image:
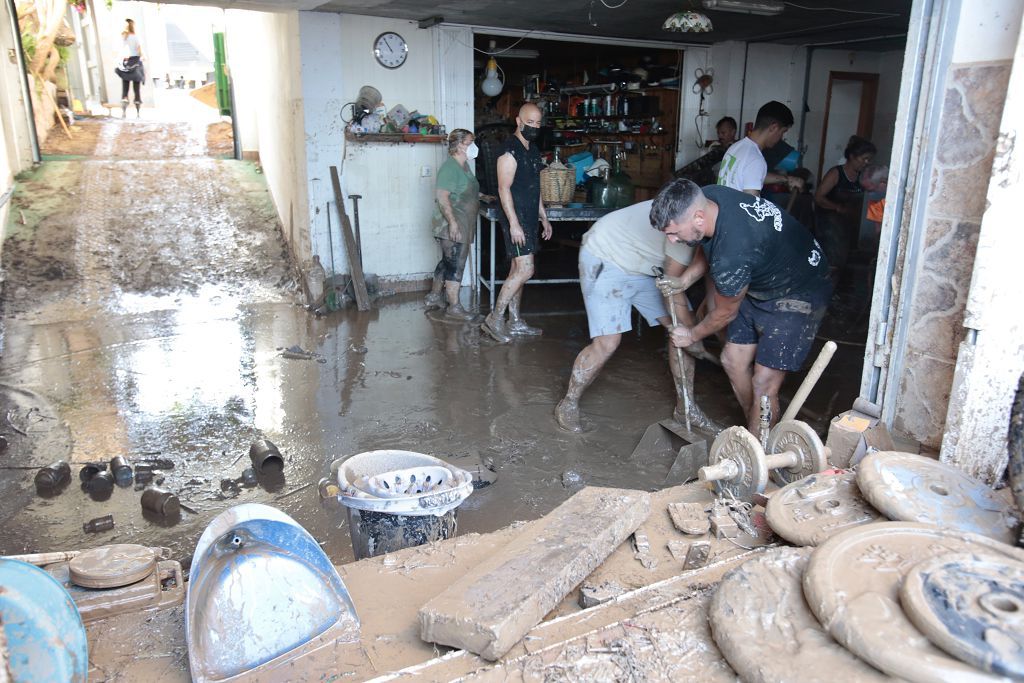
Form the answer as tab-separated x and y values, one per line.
783	329
609	293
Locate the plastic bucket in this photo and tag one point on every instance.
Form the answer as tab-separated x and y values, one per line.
399	499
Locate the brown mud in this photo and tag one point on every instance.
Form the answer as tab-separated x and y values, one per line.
148	296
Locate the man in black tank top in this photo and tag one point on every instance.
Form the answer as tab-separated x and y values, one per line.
521	208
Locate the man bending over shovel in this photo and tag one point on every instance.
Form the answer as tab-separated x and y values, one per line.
771	284
617	262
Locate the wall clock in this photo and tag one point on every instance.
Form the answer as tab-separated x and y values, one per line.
390	49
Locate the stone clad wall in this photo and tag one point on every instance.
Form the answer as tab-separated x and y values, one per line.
971	114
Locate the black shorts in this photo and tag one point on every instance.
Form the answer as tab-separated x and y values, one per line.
532	232
783	328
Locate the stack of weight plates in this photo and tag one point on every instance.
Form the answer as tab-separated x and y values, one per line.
936	596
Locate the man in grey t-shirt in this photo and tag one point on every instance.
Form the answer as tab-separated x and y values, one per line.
616	274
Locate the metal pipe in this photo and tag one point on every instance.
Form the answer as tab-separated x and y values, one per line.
266	459
26	91
801	143
355	214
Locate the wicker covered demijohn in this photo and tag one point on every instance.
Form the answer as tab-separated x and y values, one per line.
557	183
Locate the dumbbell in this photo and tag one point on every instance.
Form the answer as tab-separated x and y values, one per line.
740	467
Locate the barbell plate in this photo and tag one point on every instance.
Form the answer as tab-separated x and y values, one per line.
740	446
799	438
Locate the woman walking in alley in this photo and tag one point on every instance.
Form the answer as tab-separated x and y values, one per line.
131	69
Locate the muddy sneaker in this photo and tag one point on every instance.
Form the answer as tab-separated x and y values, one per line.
698	420
495	329
433	300
457	313
567	415
520	329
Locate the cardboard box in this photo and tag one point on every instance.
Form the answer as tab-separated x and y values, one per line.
852	434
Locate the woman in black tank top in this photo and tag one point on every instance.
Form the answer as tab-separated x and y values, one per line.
838	203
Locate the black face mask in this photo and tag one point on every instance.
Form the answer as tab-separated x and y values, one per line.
530	133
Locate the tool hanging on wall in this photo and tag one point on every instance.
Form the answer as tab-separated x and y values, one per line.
703	85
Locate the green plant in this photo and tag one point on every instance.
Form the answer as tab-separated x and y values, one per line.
28	46
64	53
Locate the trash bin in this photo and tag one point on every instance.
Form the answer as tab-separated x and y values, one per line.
399	499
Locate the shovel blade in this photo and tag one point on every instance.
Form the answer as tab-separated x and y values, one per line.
689	460
657	442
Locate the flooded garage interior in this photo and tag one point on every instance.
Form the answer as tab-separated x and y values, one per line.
149	297
159	308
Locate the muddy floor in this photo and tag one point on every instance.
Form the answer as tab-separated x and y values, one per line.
148	297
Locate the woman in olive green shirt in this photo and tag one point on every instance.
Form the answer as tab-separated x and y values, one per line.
457	199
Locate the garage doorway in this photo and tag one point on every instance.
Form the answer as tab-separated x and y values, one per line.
849	106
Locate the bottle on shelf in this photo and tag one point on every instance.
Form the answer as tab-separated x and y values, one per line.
620	184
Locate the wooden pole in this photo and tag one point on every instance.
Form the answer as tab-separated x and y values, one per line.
351	252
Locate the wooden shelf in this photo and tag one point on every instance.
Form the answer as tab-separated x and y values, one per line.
410	138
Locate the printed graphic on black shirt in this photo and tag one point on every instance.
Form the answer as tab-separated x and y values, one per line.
759	247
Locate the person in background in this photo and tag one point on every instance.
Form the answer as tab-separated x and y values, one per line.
726	130
457	199
838	201
522	210
743	166
875	179
131	68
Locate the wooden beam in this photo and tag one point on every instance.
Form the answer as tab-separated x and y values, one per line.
355	269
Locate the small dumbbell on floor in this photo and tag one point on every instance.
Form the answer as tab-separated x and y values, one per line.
739	467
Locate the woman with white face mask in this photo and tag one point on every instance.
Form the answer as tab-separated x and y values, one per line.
454	222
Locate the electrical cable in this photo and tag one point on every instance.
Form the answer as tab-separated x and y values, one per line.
839	9
605	3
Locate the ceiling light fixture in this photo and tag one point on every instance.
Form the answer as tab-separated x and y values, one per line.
763	7
491	85
688	22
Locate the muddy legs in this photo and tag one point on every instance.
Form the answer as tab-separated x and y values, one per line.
683	378
455	310
494	324
584	370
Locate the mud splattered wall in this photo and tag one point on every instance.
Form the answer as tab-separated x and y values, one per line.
396	181
267	88
991	359
975	88
15	141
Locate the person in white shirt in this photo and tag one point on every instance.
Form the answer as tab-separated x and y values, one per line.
616	262
131	70
743	166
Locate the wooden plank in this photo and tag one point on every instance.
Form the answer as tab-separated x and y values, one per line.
495	604
354	267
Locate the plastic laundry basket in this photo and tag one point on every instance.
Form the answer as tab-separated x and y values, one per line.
399	499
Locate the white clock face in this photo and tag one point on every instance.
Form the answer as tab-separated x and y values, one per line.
390	49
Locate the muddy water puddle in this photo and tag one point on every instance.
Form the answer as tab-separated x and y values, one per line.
198	383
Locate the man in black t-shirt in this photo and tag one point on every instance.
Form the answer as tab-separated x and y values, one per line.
771	284
521	208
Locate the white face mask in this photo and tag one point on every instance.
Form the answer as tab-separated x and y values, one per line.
472	151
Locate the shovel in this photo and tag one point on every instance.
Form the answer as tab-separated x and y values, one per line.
668	438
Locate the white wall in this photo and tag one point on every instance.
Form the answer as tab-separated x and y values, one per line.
692	131
15	144
397	200
887	65
990	34
268	92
